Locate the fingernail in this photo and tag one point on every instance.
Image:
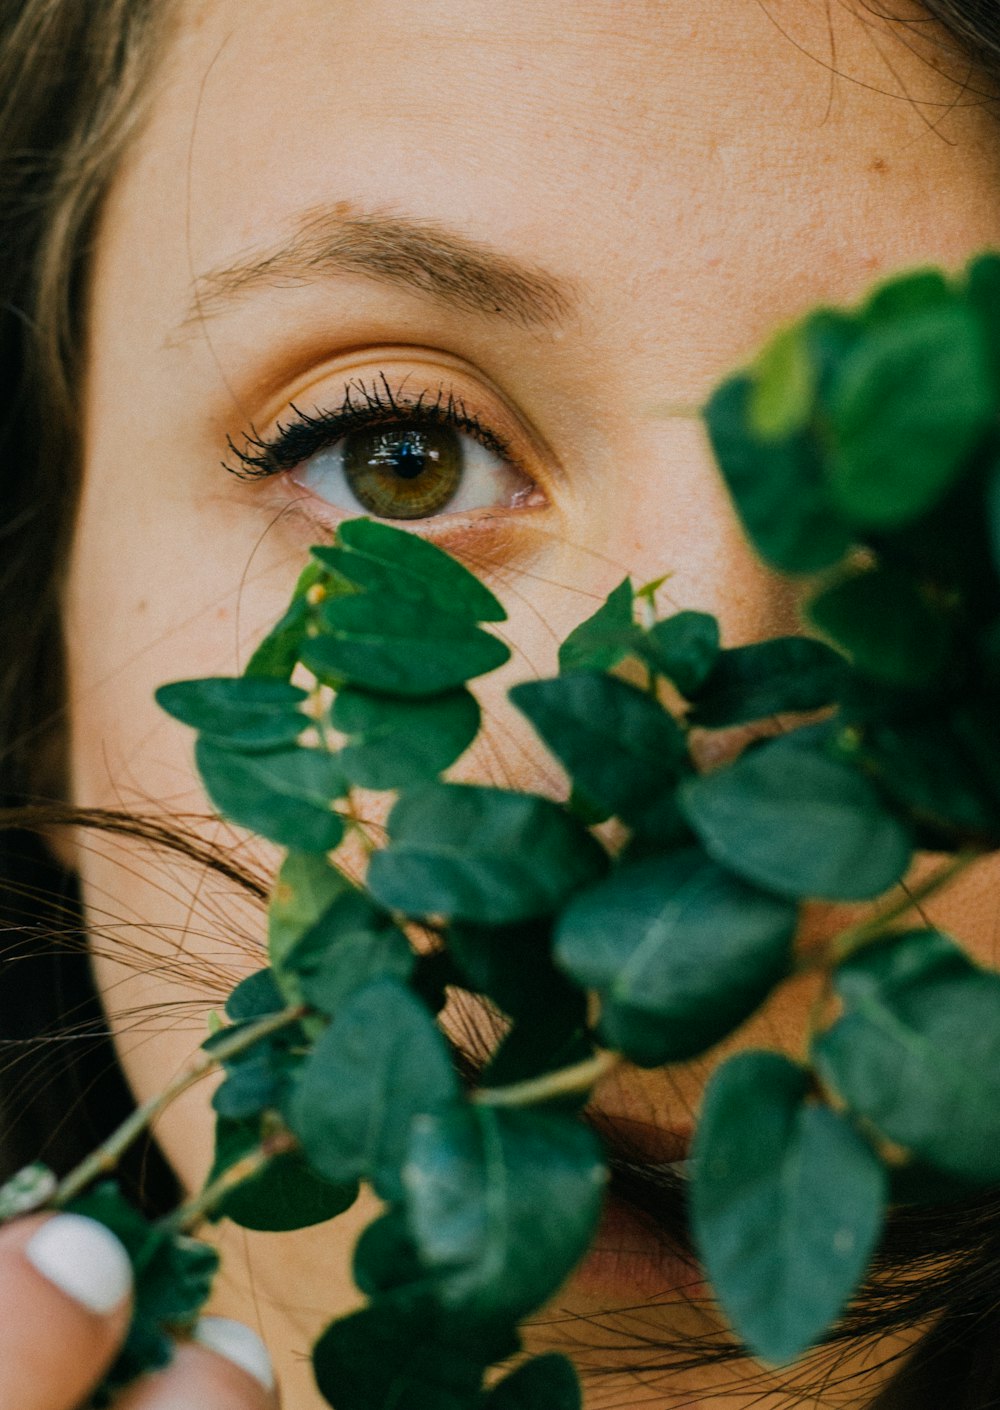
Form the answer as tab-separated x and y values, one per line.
237	1343
83	1259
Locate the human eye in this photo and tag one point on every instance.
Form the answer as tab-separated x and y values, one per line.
413	450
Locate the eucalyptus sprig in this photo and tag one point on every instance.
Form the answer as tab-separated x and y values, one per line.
862	452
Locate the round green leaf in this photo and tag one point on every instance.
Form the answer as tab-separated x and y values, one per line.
394	562
892	630
787	1203
352	943
798	822
481	854
238	712
398	647
381	1061
906	409
278	653
545	1382
784	385
604	638
684	648
778	487
286	795
306	885
784	675
917	1051
502	1204
618	744
285	1194
399	743
680	951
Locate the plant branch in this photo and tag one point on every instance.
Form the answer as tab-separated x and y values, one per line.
565	1082
187	1218
856	937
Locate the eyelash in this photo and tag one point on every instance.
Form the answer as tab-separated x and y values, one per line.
295	441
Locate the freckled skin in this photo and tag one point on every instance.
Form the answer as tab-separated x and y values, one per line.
695	176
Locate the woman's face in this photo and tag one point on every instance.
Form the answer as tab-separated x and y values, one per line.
564	218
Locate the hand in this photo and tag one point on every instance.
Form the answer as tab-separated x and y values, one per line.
65	1291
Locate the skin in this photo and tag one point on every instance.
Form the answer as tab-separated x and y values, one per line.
691	177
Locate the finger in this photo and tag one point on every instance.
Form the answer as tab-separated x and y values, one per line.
226	1367
65	1285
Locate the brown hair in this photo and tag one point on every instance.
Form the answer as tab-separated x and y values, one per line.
75	80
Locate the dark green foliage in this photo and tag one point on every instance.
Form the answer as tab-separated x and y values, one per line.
679	950
352	943
605	638
787	1202
684	648
278	653
917	1051
792	819
377	1065
399	743
286	1194
286	795
464	852
172	1278
785	675
238	713
892	630
548	1381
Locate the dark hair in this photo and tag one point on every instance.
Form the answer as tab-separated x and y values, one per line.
75	80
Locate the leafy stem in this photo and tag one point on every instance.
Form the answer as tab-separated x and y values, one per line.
186	1218
566	1082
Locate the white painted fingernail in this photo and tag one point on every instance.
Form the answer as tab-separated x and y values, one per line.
237	1343
83	1259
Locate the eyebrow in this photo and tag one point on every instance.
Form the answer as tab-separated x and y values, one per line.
403	251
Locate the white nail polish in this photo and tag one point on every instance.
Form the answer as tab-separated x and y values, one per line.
83	1259
237	1343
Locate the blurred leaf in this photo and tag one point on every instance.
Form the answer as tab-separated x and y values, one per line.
481	854
890	628
502	1204
618	744
605	638
398	743
906	409
983	294
917	1051
787	1203
789	817
285	1194
238	712
545	1382
383	559
286	795
684	648
412	649
778	487
352	942
679	950
277	654
784	386
254	997
902	295
512	965
784	675
381	1061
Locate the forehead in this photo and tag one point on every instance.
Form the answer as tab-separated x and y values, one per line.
642	147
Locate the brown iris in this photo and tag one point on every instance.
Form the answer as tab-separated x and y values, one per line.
402	471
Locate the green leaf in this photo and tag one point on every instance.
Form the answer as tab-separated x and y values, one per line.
397	1355
983	294
618	744
352	942
784	386
285	1194
778	488
399	743
254	997
679	950
172	1280
481	854
789	817
385	1257
545	1382
916	291
391	561
380	1062
605	638
684	648
785	675
277	654
917	1051
305	887
502	1204
398	648
285	795
892	630
906	409
238	712
787	1203
512	965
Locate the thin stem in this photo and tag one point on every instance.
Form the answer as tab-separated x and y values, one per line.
856	937
187	1218
566	1082
106	1156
